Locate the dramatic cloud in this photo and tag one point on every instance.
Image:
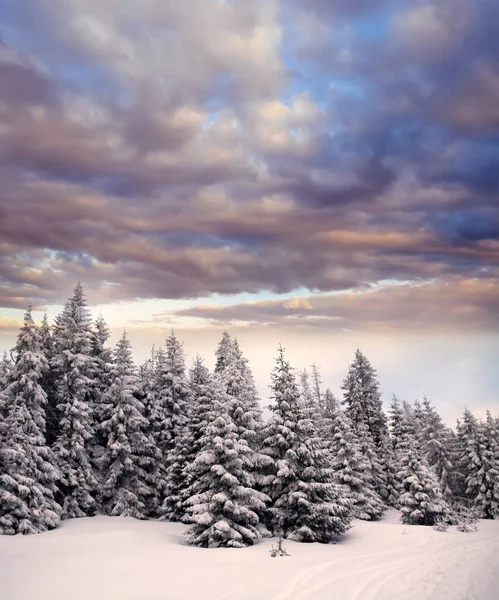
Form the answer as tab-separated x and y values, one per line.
179	149
409	306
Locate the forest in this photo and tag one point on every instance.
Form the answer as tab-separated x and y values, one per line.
85	431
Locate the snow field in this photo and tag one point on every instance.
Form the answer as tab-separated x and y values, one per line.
116	558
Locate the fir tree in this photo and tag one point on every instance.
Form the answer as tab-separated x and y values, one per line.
48	381
224	506
224	352
127	457
236	378
349	465
362	398
74	366
27	472
316	385
480	466
174	398
396	422
5	369
307	504
421	501
435	447
101	378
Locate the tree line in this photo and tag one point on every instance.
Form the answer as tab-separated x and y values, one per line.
84	431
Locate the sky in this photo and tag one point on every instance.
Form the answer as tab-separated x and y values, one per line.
318	173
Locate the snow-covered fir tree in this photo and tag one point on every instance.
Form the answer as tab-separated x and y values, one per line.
5	368
479	461
27	473
224	352
48	381
173	398
73	364
223	505
101	379
307	504
316	385
362	398
204	393
363	406
421	501
349	465
435	447
305	387
396	418
237	380
127	458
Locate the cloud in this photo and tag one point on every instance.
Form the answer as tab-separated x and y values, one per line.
412	306
176	150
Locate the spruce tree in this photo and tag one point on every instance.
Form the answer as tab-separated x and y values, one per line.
5	369
349	465
480	466
223	504
27	472
102	376
363	405
421	501
48	381
435	447
74	365
224	352
237	380
173	398
316	390
127	458
362	398
307	504
204	393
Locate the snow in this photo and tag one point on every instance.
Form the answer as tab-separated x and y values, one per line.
117	558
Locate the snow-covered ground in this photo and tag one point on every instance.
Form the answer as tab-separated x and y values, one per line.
107	558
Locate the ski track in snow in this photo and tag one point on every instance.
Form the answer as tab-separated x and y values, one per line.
122	559
377	569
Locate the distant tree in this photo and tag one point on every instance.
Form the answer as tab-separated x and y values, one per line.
307	504
27	472
316	384
224	352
